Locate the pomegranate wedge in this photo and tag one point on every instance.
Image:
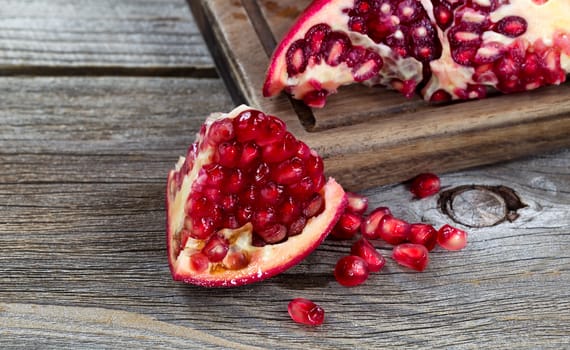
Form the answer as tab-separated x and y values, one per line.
443	49
247	202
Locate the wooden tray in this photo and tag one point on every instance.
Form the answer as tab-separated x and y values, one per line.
376	136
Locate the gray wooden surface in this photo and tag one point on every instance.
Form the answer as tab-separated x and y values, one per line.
84	154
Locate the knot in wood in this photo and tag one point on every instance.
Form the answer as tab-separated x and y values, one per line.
480	205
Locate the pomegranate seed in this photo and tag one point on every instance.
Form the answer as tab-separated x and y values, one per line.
315	206
425	185
216	248
229	154
270	130
393	230
451	238
271	193
413	256
235	181
262	173
306	312
249	155
246	125
302	189
281	150
263	218
511	26
202	228
215	175
297	226
357	204
221	131
244	214
369	227
289	211
273	234
364	249
347	226
423	234
199	262
351	271
236	261
289	172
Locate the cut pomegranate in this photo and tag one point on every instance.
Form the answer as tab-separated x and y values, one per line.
235	212
351	271
347	226
451	238
423	234
451	49
425	185
393	230
364	249
369	227
413	256
357	203
306	312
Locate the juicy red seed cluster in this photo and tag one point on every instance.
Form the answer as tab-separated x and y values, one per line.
261	174
516	67
306	312
403	25
412	241
322	44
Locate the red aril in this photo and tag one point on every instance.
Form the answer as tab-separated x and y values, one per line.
451	238
364	249
425	185
423	234
369	226
357	203
393	230
347	226
442	49
306	312
235	211
351	271
413	256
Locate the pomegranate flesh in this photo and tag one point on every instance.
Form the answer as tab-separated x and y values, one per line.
247	202
413	256
306	312
425	185
443	49
351	271
451	238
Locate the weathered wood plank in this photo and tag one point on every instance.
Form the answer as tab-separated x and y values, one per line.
82	251
85	36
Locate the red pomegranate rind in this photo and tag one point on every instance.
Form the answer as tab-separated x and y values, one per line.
237	218
454	49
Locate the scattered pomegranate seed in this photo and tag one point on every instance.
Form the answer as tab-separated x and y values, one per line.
306	312
411	255
347	226
351	271
451	238
425	185
393	230
423	234
357	203
369	226
364	249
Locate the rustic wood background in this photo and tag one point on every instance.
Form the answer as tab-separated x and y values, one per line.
98	99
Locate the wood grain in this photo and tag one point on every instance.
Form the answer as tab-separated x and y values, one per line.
94	37
375	132
82	171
